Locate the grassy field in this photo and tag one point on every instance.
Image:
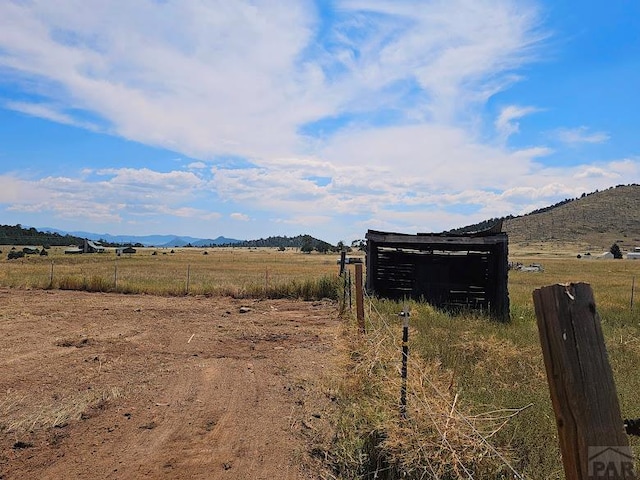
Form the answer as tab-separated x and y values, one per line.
478	403
221	271
478	397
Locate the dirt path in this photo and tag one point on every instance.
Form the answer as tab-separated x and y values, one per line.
128	386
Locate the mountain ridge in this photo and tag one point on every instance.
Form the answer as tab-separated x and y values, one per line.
171	241
593	221
147	240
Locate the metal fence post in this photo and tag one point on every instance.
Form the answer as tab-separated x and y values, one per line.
359	298
405	314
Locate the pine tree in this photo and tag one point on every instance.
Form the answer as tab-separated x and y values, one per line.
615	250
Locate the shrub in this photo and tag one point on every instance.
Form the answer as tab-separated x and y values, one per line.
71	283
15	254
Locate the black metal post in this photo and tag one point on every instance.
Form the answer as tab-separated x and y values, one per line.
405	357
343	258
344	293
350	301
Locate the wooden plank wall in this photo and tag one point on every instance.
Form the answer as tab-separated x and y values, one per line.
448	275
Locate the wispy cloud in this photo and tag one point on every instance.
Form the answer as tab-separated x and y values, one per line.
49	112
506	124
243	79
579	135
240	216
597	172
197	165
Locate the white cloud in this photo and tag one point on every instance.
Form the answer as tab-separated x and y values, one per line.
204	89
596	172
506	124
240	216
187	212
152	185
396	88
429	157
241	79
14	190
306	220
627	168
49	112
575	136
197	165
458	52
406	201
121	193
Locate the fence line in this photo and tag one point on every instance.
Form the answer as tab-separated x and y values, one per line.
129	277
422	402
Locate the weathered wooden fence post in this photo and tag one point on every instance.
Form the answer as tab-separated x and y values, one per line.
359	298
590	429
51	276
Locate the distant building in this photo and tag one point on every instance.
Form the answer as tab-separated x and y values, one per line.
635	255
88	246
93	247
121	250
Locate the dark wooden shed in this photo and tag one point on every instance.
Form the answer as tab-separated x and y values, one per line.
453	272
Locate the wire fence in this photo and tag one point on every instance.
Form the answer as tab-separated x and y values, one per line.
429	436
240	279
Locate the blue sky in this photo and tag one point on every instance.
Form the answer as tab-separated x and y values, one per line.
258	118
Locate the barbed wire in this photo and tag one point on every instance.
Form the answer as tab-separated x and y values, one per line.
387	333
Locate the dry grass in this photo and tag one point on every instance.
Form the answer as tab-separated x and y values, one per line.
21	414
223	271
440	438
478	396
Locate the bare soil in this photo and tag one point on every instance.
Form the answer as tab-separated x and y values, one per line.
109	386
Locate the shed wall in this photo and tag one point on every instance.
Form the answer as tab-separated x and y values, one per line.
448	272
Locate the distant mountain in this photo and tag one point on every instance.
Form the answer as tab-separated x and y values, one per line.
594	221
146	240
171	241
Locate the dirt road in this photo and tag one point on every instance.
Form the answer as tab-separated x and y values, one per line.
108	386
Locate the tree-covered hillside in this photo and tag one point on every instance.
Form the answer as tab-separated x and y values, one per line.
303	242
16	235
